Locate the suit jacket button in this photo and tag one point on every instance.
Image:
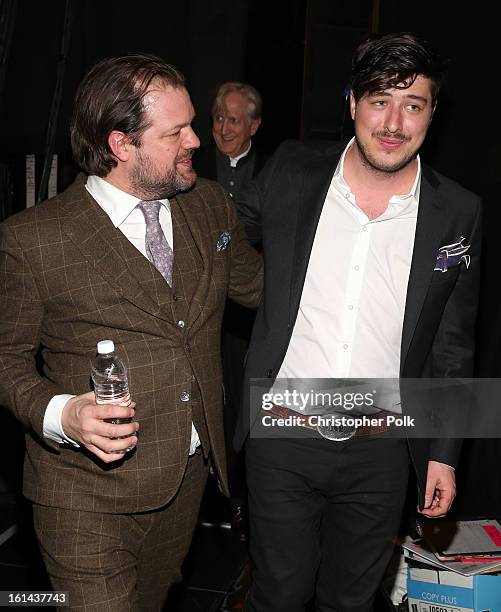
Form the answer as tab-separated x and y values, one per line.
185	396
269	373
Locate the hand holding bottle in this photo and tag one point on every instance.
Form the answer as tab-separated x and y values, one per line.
85	421
102	420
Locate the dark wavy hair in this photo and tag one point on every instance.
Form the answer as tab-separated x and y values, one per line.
395	61
110	97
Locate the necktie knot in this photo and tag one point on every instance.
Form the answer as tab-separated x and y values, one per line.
150	210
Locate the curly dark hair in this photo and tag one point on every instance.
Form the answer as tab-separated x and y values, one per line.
110	97
395	61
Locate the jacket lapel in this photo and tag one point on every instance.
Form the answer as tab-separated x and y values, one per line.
311	197
429	230
116	259
193	257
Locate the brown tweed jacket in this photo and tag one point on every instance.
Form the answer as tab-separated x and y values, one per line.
69	278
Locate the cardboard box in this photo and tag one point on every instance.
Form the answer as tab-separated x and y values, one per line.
432	590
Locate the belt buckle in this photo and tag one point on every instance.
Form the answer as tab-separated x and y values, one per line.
336	433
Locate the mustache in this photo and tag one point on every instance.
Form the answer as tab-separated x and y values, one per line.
188	155
387	134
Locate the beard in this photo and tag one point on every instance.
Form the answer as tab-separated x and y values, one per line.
151	184
379	164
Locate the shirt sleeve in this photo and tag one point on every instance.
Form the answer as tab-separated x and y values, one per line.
52	426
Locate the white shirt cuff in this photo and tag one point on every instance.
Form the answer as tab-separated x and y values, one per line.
52	427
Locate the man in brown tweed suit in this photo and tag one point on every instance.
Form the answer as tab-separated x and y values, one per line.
114	526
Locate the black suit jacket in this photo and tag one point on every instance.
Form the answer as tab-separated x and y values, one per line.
205	164
282	207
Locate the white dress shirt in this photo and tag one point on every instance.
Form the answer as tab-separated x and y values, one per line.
123	212
234	160
351	312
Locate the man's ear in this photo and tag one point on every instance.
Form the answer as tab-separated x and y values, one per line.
353	106
120	145
255	125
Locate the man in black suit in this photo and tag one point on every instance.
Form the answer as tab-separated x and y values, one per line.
233	158
358	284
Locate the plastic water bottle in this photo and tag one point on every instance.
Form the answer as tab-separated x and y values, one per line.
109	375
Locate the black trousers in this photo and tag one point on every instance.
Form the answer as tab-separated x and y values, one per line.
236	332
323	516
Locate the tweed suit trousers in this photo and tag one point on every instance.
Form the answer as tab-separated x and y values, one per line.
124	562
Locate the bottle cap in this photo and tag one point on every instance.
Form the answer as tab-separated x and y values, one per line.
105	346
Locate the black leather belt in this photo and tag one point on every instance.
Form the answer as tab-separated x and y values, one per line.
337	427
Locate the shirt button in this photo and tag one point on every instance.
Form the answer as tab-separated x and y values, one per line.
364	229
185	396
350	307
181	324
345	346
347	195
357	268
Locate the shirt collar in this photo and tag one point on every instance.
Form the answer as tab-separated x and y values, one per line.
117	204
338	178
234	160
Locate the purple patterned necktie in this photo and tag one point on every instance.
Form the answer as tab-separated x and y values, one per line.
157	248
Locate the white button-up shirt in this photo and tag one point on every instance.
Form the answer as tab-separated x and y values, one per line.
351	312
